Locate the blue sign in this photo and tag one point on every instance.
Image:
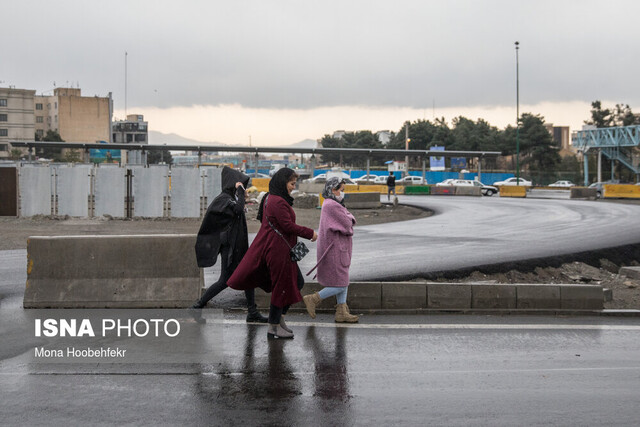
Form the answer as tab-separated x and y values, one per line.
458	163
436	163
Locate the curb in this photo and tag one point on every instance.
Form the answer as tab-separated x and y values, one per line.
434	297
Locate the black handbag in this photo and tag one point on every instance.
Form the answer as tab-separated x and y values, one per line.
298	251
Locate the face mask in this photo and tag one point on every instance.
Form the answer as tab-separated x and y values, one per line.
341	196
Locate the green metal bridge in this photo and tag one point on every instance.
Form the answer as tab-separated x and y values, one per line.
615	143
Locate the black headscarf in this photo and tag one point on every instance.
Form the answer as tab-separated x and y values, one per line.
230	177
278	187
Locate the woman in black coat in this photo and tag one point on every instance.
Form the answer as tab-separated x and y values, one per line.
224	232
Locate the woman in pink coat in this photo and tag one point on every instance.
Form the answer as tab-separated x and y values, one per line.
334	252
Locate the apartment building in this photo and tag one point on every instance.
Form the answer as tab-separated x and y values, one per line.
16	118
133	130
562	136
75	117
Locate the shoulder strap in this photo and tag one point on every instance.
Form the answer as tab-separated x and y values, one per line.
274	229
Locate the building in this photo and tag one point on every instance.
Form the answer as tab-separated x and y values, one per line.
75	117
16	118
562	137
134	130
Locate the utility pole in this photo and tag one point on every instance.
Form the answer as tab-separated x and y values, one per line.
517	116
406	145
125	85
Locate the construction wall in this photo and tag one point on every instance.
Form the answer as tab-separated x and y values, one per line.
93	191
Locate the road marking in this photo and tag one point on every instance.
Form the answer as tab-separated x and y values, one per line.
470	326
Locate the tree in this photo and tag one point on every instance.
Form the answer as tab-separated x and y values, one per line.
51	153
623	116
360	140
72	156
538	149
15	154
599	118
329	141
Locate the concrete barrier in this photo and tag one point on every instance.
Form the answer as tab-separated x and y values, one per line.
358	200
310	187
416	296
468	191
621	191
418	189
362	200
512	191
584	193
150	271
448	190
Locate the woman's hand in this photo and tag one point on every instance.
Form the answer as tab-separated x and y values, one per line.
315	237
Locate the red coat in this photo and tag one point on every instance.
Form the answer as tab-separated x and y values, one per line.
267	263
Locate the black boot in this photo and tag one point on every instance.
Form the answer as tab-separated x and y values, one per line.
196	312
254	316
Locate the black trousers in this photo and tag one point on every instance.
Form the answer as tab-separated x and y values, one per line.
228	268
275	313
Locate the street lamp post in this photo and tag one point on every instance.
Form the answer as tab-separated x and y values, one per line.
406	145
517	116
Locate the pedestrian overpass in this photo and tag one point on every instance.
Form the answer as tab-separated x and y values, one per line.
615	143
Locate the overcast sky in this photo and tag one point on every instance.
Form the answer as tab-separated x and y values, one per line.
282	71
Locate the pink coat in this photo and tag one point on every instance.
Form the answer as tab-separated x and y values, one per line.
334	244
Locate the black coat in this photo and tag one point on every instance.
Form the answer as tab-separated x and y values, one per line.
224	223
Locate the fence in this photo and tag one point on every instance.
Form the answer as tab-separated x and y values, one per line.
121	192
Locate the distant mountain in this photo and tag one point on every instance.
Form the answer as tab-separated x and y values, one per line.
156	137
305	143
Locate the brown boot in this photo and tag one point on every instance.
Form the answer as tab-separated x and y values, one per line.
343	315
311	301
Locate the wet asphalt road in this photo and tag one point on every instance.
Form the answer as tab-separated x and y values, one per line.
467	232
402	370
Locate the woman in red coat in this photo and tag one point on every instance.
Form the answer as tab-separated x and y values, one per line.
267	264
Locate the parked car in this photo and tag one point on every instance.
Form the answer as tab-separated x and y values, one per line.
366	179
485	190
513	181
318	179
411	179
445	183
381	180
322	178
599	186
562	184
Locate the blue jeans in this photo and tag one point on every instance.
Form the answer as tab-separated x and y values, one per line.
389	191
340	293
